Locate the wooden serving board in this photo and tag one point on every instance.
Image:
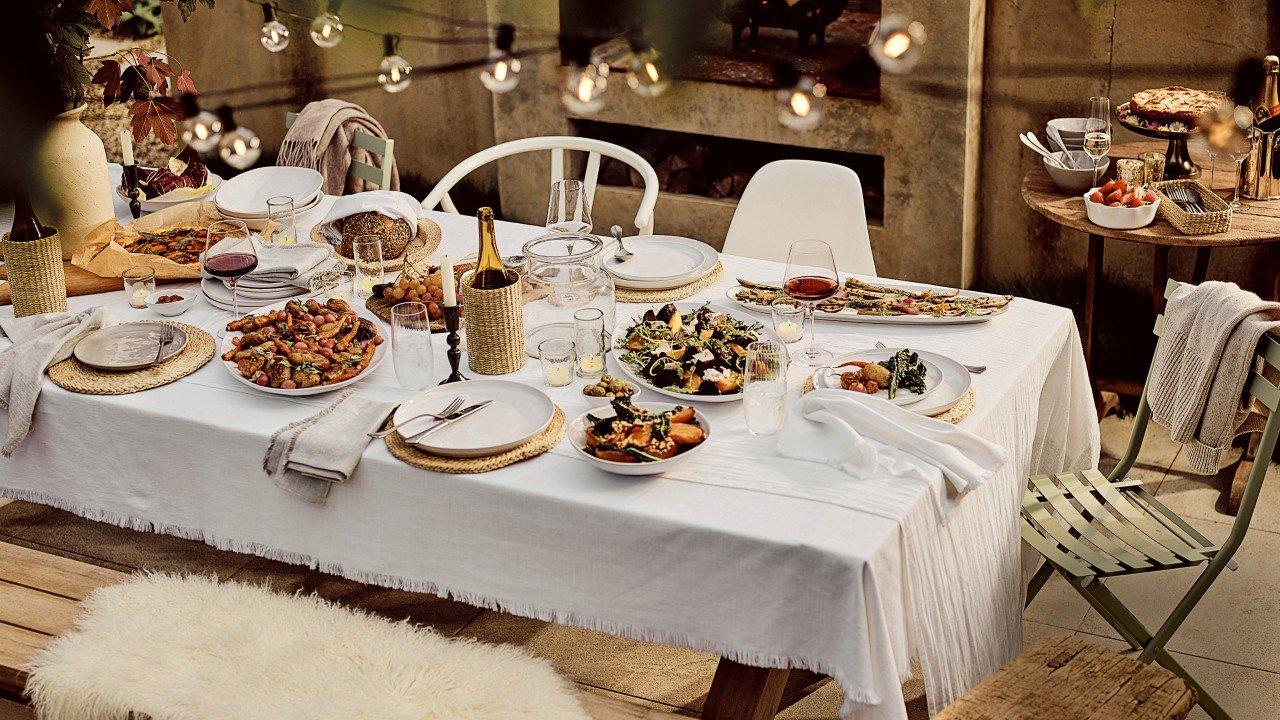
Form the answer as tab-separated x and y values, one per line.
79	282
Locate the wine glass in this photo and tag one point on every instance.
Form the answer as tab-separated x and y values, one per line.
1239	152
569	210
411	352
1097	132
764	392
229	255
811	278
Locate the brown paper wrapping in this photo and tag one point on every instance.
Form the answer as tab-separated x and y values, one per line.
104	256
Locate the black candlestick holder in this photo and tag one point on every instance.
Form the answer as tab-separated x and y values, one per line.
452	322
131	189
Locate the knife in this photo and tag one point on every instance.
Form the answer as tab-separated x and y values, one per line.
758	285
465	412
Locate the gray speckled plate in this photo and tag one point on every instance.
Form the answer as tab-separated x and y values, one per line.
128	346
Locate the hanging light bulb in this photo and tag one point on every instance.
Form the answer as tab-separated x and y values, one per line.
584	83
393	73
799	98
647	78
200	129
239	146
897	43
502	73
275	36
326	29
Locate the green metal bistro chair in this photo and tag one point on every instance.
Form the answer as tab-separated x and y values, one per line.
379	175
1089	527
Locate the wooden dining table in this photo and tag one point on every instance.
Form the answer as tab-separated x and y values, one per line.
792	571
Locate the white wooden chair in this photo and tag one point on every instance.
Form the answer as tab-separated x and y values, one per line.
791	200
557	145
383	148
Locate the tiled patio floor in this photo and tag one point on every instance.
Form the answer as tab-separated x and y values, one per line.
1231	641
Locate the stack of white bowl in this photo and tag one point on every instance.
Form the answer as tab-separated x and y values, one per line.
244	197
1071	130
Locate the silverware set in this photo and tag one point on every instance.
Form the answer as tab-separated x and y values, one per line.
451	413
975	369
166	337
1186	198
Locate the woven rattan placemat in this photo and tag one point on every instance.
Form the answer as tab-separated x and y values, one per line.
423	245
547	439
953	415
77	377
672	295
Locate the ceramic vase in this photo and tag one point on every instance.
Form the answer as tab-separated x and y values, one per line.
77	195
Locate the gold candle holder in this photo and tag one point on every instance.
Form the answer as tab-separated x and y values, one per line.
1131	171
1153	162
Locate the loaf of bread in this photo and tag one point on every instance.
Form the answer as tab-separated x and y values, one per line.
392	233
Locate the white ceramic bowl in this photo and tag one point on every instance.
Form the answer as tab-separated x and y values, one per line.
607	400
578	437
1071	130
172	309
1071	180
1119	218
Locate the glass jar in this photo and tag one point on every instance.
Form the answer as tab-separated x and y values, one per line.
563	276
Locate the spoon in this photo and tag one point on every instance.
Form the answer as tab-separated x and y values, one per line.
1029	140
621	254
442	415
1056	137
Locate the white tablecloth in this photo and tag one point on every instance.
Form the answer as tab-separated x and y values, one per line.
787	564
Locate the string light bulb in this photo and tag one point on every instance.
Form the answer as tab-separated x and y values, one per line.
275	36
585	81
239	146
393	73
326	29
502	73
199	129
897	43
647	78
800	97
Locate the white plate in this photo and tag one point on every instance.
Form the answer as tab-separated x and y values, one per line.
657	257
578	436
176	197
262	217
956	381
849	316
518	413
247	193
619	332
128	346
932	375
379	353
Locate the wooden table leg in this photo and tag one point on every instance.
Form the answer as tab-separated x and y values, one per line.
744	692
1092	279
1201	269
1159	276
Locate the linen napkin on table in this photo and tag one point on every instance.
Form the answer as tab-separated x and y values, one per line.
39	341
309	456
1201	364
865	436
386	202
282	264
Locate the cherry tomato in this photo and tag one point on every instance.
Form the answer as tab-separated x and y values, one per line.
1149	197
377	339
330	318
1107	187
1115	196
288	385
301	346
261	380
328	343
1122	184
1134	201
1097	197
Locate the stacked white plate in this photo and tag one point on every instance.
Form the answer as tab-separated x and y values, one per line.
659	262
282	273
245	196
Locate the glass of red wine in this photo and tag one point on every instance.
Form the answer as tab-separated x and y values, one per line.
811	278
229	255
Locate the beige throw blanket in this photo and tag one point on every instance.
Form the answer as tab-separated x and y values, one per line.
1201	365
320	138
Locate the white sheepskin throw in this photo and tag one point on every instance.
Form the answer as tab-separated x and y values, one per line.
191	648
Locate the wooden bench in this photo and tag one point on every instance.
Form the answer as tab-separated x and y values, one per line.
1068	678
39	593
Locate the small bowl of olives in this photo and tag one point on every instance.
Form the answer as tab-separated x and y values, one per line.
602	392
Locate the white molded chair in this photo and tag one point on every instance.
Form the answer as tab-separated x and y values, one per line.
557	144
790	200
383	148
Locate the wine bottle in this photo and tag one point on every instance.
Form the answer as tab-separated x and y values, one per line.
490	273
1268	104
26	226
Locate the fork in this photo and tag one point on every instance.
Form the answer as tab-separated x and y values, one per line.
166	337
444	414
975	369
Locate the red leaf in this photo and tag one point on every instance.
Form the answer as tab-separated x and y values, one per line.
108	12
156	116
185	84
108	76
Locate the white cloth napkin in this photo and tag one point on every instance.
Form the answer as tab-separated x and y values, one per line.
387	202
865	436
39	341
309	456
284	263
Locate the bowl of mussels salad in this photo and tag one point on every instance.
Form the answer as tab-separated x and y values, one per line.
694	351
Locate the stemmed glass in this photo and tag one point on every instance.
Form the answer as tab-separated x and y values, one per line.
229	254
569	210
1097	132
411	352
764	392
811	278
1238	152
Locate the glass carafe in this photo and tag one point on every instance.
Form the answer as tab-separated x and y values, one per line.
564	276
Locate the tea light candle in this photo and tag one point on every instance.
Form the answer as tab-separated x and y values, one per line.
126	147
366	285
790	331
589	365
448	286
558	376
139	296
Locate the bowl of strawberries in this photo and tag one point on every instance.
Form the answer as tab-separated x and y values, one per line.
1120	206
